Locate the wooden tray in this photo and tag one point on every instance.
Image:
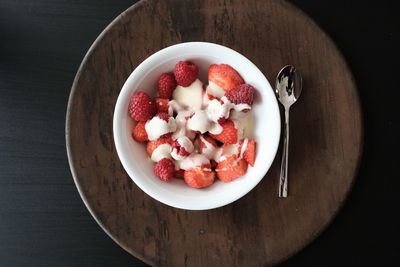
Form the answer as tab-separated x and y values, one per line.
259	229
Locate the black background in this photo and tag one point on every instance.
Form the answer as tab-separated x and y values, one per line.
43	221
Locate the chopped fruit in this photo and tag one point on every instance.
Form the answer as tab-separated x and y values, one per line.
179	174
200	176
229	134
163	116
141	107
162	104
192	129
152	145
224	76
249	154
231	168
180	150
166	85
242	94
139	132
185	72
208	138
164	169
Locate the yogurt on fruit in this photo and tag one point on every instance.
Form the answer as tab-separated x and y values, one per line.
190	97
162	151
157	127
192	161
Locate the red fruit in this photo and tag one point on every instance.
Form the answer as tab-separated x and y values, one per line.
179	174
166	85
163	116
141	107
139	132
208	138
164	169
200	176
186	73
152	145
249	154
180	149
229	134
231	168
242	94
162	104
224	76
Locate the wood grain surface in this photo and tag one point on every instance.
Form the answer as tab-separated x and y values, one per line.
259	229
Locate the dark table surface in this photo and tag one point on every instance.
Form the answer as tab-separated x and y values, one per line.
43	221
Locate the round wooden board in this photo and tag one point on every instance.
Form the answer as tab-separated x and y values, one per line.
259	229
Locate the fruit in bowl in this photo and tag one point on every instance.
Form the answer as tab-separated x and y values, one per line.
135	156
196	131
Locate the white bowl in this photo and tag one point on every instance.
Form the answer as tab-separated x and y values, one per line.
133	154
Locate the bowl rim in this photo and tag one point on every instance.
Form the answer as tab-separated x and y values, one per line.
155	59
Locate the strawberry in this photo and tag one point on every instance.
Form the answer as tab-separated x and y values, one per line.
179	174
208	138
166	85
231	168
139	132
224	76
229	134
162	104
180	149
249	154
242	94
186	73
152	145
200	176
164	169
141	106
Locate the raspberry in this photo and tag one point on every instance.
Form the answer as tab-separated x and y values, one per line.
185	73
180	149
164	169
166	85
163	116
242	94
141	107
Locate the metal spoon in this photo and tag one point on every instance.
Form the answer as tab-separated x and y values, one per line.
288	89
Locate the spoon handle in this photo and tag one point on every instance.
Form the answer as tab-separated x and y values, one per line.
283	178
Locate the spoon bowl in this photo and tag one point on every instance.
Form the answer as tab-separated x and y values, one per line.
288	86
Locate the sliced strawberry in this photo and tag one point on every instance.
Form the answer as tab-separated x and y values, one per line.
229	134
200	176
152	145
224	76
139	132
231	168
208	138
249	154
162	104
